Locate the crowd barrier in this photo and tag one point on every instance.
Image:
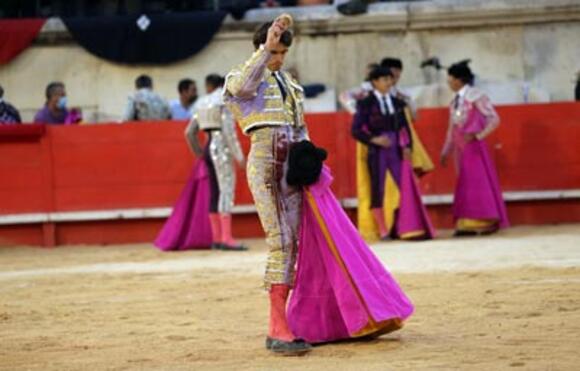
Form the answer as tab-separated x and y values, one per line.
111	183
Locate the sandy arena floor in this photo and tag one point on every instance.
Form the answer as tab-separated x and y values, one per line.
507	302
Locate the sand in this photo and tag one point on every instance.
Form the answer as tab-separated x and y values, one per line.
511	301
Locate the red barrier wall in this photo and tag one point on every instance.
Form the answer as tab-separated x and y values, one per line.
141	165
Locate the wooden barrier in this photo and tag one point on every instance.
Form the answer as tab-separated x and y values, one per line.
49	170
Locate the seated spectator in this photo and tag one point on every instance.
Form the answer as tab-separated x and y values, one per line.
312	2
181	108
349	98
276	3
145	104
8	114
54	110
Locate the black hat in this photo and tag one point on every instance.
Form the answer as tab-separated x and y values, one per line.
304	163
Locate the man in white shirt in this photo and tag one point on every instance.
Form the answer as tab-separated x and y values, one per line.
145	104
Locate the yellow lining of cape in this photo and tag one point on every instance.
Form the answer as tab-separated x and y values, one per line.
413	234
419	156
476	225
372	327
366	223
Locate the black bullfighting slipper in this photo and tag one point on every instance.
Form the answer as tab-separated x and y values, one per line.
487	232
464	234
386	238
226	247
296	347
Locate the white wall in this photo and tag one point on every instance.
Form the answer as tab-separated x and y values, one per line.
545	53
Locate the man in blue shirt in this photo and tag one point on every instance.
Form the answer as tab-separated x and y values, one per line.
181	108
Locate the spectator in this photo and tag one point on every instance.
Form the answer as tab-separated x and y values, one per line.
355	7
285	3
181	108
276	3
348	99
8	114
145	104
313	2
54	110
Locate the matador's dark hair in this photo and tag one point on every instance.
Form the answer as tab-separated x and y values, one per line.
379	72
261	35
392	63
461	71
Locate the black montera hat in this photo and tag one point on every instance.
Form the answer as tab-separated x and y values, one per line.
304	163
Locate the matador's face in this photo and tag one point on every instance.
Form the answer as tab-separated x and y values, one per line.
278	55
454	83
383	84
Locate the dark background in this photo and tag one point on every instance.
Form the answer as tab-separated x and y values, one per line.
92	8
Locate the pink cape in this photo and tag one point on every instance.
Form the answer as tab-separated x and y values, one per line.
342	290
189	227
413	216
477	193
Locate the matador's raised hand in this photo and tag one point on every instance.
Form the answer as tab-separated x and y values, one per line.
280	24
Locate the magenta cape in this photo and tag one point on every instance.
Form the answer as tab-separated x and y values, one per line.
413	217
189	227
342	290
477	193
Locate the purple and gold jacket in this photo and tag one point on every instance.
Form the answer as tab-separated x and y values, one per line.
253	95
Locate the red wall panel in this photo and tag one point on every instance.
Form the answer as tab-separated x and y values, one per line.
140	165
21	234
